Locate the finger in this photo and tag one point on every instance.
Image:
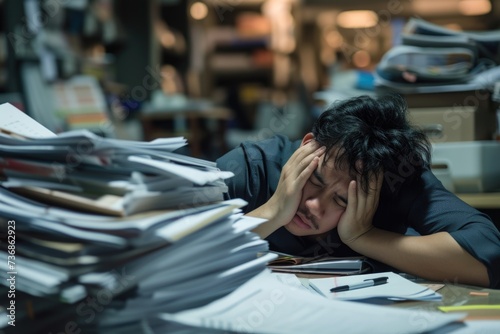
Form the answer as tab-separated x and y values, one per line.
307	156
305	174
376	180
361	195
303	151
310	148
297	156
309	163
352	197
380	181
375	185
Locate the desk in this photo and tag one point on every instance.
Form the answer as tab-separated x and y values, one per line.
193	117
460	295
453	295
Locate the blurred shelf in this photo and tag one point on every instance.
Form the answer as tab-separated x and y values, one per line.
163	123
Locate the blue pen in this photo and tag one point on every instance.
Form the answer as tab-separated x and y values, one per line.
365	284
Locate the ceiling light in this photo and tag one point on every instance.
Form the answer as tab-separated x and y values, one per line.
434	7
355	19
198	11
474	7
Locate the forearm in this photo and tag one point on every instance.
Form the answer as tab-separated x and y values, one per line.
267	228
435	257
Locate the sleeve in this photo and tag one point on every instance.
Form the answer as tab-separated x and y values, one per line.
435	209
257	168
245	183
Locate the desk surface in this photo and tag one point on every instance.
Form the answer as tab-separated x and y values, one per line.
482	200
460	295
462	298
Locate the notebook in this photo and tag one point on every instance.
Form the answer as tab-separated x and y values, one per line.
319	265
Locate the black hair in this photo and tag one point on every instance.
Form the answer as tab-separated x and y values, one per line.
377	133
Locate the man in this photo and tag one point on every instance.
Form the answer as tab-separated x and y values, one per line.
358	184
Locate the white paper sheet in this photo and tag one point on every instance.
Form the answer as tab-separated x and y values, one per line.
397	287
264	305
15	121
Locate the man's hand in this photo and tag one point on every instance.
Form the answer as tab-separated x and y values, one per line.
436	256
361	207
282	206
294	176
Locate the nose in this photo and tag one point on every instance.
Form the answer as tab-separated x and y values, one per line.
315	207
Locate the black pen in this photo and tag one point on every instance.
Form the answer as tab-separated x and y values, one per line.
365	284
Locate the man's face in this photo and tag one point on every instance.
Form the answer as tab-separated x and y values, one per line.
323	202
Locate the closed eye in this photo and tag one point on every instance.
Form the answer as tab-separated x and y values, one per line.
340	203
314	182
318	180
340	200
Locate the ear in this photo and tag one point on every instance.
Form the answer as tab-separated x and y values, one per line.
307	138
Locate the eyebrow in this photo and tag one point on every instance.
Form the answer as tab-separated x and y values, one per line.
318	176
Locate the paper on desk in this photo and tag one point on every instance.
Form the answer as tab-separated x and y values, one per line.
247	223
196	176
186	225
16	206
41	279
470	327
15	121
203	267
396	288
264	305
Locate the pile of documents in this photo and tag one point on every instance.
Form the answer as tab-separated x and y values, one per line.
105	233
85	172
431	58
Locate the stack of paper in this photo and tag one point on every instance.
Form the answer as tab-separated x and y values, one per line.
396	288
89	239
435	59
85	172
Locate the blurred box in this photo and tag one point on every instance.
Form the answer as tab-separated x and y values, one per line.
480	98
467	167
454	123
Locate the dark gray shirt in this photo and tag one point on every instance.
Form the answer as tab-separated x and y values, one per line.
421	204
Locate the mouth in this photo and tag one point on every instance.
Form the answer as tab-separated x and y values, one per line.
301	222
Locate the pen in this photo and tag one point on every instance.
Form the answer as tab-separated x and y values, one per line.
366	283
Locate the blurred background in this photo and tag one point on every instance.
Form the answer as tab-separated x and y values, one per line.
216	72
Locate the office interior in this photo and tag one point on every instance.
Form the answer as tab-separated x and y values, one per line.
220	72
